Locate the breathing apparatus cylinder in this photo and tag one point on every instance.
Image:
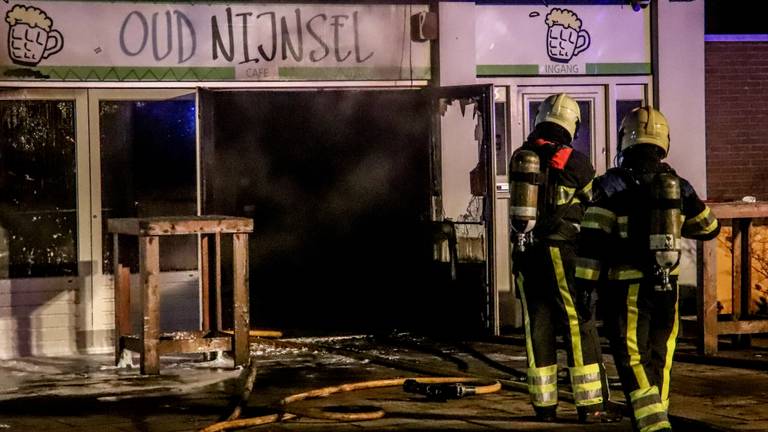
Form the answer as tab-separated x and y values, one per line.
523	194
665	225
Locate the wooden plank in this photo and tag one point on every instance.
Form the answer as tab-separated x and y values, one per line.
708	300
197	345
179	225
742	327
241	306
205	286
129	226
219	224
739	210
183	342
125	292
736	269
149	267
746	266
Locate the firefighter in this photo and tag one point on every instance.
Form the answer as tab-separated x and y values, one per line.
630	249
544	259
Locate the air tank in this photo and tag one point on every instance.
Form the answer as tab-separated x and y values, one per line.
665	225
523	194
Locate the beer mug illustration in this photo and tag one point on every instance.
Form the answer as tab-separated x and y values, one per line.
565	38
31	36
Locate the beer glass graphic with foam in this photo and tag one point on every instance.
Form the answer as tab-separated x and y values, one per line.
31	36
565	38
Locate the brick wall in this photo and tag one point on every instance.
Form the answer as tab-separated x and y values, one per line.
737	120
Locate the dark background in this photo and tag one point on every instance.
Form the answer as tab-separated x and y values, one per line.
337	183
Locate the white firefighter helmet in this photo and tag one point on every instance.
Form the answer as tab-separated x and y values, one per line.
561	110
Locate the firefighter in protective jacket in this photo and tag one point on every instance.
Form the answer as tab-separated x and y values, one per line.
629	250
544	267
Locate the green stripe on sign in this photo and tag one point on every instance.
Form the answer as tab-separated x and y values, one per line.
122	73
618	68
352	73
521	69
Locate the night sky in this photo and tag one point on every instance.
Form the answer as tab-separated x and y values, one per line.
734	17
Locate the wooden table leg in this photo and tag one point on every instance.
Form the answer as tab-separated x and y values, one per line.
241	306
708	300
149	266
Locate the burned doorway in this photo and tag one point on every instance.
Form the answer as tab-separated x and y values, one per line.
339	185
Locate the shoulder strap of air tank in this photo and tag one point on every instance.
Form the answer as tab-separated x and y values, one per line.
615	180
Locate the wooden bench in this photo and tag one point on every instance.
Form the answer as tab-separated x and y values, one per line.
150	343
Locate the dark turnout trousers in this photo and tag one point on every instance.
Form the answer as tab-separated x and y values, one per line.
642	324
545	282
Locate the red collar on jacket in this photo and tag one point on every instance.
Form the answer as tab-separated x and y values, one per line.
561	156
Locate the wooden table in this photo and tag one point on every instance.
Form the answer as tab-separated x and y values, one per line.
150	343
741	214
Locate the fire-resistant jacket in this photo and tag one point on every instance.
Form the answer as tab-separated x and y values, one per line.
615	228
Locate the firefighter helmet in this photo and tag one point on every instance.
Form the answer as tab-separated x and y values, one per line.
644	125
561	110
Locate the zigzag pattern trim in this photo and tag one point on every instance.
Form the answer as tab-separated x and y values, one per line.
116	73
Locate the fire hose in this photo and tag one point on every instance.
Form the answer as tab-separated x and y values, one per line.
435	388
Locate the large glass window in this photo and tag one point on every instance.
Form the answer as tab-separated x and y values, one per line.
148	169
502	146
38	188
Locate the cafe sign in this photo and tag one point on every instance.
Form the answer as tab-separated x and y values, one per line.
562	40
108	41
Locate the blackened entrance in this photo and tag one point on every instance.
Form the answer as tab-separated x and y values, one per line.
341	187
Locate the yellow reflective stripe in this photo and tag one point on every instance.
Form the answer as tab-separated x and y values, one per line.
657	426
588	394
711	227
623	224
542	388
703	223
587	273
699	217
599	218
670	352
542	385
642	393
586	373
624	273
526	323
587	268
570	309
634	352
565	194
647	410
543	371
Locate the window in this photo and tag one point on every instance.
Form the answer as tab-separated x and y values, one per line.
148	169
38	188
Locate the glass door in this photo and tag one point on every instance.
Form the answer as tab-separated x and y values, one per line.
45	282
143	164
591	137
464	173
